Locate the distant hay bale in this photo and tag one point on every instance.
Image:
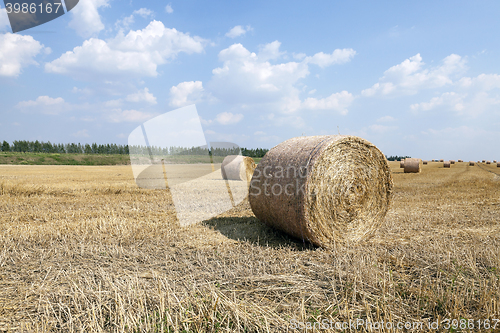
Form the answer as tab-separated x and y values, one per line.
447	164
237	167
484	161
401	163
452	161
494	161
460	161
424	162
498	165
471	163
488	162
324	189
441	160
412	165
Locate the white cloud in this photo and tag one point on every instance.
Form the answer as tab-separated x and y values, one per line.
144	12
169	9
135	116
339	56
244	78
381	129
450	99
186	93
86	20
16	52
409	76
44	104
137	53
141	96
249	79
4	19
337	101
238	31
125	23
270	51
227	118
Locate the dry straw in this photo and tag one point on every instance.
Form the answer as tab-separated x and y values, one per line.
412	165
471	163
401	163
446	164
237	167
325	189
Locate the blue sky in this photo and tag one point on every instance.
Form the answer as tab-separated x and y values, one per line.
414	78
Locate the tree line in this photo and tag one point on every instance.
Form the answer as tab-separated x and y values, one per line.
23	146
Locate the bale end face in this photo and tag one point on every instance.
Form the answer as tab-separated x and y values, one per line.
402	164
237	167
324	189
412	165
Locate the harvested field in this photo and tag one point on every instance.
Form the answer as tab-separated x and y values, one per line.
84	249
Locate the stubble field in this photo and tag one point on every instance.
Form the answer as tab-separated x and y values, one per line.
82	248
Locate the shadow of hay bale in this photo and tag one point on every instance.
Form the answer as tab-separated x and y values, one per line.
251	230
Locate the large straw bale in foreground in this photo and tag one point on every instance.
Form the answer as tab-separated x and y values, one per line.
237	167
412	165
325	189
446	164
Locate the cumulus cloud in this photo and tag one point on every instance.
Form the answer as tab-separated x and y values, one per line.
270	51
451	99
186	93
337	101
45	105
86	20
339	56
16	52
142	96
169	9
238	31
410	76
227	118
248	78
138	53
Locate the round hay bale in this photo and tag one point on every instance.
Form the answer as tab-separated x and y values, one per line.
441	160
484	161
237	167
452	161
494	161
424	162
498	165
447	164
412	165
401	163
460	161
471	163
324	189
488	162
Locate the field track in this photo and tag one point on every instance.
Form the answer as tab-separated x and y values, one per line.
83	248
